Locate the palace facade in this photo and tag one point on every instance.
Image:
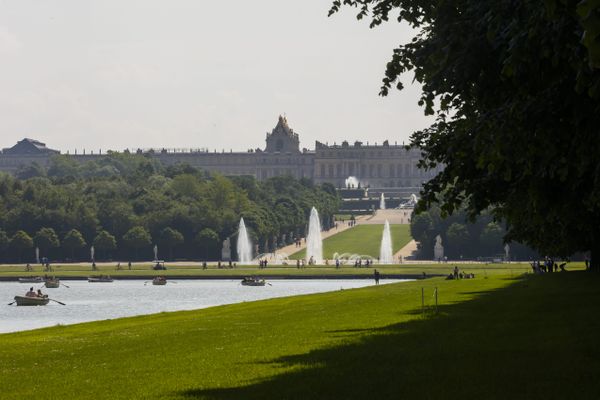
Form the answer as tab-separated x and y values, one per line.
376	166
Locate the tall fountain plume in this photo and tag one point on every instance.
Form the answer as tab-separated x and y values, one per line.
385	253
314	243
382	202
244	245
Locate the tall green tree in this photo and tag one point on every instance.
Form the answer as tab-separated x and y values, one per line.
4	242
457	239
21	242
491	237
208	241
137	238
46	239
515	88
105	243
170	238
73	241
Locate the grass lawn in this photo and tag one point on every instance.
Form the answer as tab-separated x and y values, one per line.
496	338
363	240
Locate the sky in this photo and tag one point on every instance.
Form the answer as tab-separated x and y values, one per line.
110	75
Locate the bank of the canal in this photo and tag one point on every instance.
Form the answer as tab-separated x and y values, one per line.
194	271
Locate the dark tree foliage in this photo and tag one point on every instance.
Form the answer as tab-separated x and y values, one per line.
4	241
137	238
73	241
20	242
104	243
170	238
208	242
184	210
478	238
515	88
46	239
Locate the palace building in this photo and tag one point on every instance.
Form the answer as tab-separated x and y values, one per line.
375	166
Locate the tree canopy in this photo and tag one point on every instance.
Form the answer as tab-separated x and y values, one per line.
73	241
515	89
188	212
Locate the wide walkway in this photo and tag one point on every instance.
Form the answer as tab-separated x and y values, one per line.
407	251
393	216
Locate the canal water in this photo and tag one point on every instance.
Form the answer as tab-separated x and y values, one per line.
100	301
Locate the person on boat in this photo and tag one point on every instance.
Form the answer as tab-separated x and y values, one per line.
31	293
39	293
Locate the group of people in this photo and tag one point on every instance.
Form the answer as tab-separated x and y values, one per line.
32	293
358	263
45	264
118	266
548	265
458	274
221	265
263	263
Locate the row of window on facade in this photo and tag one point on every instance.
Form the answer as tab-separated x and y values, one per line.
296	161
373	171
366	154
268	173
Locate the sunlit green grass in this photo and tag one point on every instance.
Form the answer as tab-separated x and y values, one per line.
145	270
499	337
363	240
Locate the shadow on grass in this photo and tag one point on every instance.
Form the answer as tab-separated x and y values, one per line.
489	347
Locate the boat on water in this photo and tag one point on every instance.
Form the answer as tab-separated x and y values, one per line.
52	283
31	279
101	278
253	281
159	281
32	301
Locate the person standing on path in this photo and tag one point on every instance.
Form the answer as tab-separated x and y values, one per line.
376	276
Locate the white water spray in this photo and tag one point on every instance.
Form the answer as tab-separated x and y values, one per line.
314	243
382	202
385	253
244	245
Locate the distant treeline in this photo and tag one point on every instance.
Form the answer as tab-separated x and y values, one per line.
461	238
124	204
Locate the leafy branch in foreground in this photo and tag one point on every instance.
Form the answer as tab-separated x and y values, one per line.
515	89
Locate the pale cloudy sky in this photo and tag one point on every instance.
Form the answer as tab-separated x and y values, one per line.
115	74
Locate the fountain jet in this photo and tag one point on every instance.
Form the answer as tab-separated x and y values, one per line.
382	202
385	253
314	243
244	245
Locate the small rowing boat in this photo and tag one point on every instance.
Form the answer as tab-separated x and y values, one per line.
32	301
101	278
253	281
52	283
159	281
31	279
